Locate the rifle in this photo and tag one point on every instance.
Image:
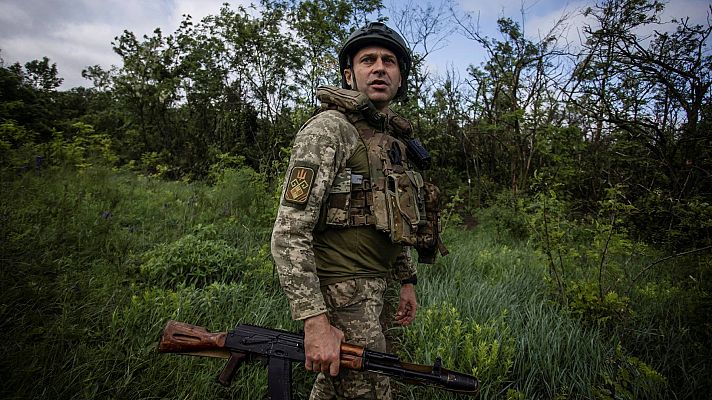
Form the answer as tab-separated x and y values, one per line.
281	348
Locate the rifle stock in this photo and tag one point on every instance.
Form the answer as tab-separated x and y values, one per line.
282	347
179	337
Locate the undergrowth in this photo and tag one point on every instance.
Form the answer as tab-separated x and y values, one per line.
95	260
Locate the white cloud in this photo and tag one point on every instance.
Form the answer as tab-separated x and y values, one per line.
540	16
566	22
78	33
198	9
12	13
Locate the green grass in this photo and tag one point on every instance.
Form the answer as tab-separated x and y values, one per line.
485	279
83	301
96	260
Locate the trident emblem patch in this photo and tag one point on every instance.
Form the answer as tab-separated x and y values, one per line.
299	185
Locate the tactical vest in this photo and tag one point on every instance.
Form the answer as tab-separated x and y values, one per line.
395	198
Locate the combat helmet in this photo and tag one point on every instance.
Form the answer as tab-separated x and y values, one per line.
376	33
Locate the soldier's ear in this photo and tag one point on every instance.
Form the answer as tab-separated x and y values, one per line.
348	76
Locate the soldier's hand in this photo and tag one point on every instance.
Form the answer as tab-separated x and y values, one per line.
407	306
322	345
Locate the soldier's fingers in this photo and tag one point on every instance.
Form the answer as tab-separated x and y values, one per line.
333	369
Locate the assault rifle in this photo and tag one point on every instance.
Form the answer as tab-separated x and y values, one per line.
281	348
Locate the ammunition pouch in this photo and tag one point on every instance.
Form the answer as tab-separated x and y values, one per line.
405	205
429	234
350	201
408	210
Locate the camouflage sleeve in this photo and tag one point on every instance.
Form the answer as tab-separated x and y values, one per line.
405	265
320	149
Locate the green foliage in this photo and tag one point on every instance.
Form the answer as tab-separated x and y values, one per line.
633	379
223	162
584	257
193	261
41	75
596	270
243	195
16	144
86	308
449	216
584	302
506	216
484	349
86	312
599	202
155	164
497	281
80	147
689	221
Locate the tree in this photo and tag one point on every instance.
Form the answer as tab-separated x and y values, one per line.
512	100
645	90
42	75
322	26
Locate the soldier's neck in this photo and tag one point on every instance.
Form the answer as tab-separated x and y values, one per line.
382	106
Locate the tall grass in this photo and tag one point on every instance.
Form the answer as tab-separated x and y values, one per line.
89	278
498	282
94	261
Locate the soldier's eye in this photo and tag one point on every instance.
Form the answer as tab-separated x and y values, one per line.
367	59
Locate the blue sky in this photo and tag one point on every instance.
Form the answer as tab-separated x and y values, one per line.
78	33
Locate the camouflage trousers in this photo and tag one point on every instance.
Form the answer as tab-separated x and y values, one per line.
354	306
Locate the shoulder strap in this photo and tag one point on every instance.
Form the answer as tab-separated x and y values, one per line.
347	100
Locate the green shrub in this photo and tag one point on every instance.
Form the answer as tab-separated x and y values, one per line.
484	349
506	217
585	302
632	379
192	260
156	164
17	144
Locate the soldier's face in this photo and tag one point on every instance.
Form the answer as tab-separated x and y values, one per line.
377	74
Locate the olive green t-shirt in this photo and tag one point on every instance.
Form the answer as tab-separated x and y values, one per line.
361	251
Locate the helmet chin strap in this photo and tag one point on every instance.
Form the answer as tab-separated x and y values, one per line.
349	65
353	85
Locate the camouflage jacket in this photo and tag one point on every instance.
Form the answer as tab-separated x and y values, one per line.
320	151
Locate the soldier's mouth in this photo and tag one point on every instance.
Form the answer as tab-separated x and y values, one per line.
378	84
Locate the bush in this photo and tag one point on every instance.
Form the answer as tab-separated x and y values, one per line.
585	303
192	260
633	379
17	144
243	195
484	349
506	217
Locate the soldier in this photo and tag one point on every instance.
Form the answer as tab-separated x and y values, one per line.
352	207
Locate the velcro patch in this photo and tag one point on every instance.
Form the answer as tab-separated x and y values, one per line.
299	184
